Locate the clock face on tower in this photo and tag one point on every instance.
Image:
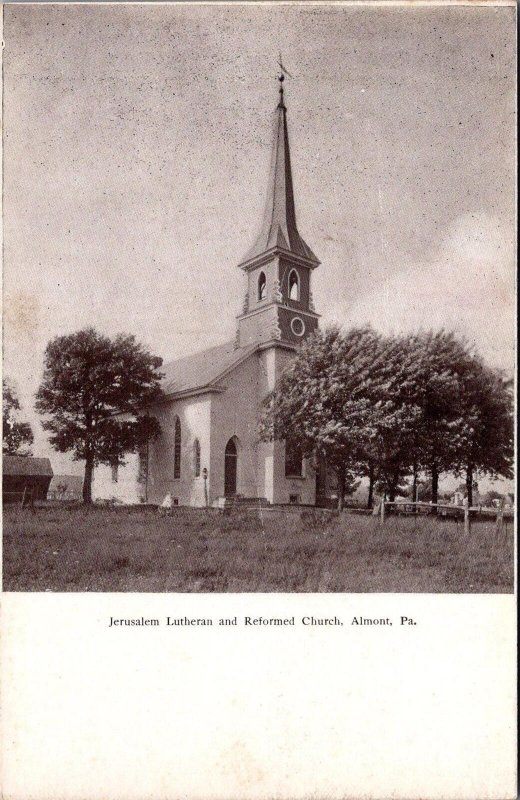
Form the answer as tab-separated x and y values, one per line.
297	326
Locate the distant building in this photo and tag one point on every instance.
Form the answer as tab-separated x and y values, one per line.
66	487
25	477
507	500
457	499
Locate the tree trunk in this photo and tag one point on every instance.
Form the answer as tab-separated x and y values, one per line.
341	488
87	480
394	483
469	484
371	481
435	483
414	487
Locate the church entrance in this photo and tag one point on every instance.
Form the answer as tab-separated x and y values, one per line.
230	468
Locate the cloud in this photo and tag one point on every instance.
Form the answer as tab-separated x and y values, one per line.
468	287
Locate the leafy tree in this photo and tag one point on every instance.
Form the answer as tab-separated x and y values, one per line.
17	436
93	393
422	489
434	365
486	436
491	497
324	402
391	448
421	404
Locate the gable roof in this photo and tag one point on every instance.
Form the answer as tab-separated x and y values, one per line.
202	370
26	465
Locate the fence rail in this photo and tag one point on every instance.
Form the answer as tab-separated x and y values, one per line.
465	510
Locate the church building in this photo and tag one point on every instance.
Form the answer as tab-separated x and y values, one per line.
209	450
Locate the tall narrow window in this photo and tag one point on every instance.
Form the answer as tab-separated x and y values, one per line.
293	461
196	458
262	286
142	466
177	450
114	467
294	285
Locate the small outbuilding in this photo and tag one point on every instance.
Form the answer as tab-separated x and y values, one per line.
25	478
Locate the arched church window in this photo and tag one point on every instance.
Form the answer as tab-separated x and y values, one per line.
177	449
294	285
293	460
230	468
196	458
142	465
262	286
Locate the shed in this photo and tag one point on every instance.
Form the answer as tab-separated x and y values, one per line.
25	476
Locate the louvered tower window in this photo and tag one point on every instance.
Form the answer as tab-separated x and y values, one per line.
262	286
294	286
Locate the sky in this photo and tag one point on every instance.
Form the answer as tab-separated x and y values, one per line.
137	142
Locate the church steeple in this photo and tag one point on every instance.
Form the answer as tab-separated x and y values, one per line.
278	305
278	229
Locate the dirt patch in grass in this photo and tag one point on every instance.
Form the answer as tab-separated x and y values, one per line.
194	550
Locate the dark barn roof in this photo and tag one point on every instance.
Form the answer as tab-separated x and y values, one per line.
26	466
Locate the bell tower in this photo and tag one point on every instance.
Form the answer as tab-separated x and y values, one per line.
278	306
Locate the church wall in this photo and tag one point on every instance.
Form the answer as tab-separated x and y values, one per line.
259	327
286	315
194	416
235	413
272	482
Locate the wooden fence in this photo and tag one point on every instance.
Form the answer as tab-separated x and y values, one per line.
423	508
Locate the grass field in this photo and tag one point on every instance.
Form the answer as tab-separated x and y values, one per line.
66	549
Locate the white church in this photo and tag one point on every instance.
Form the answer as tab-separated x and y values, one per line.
209	452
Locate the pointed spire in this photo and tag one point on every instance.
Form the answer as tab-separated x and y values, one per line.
279	221
281	78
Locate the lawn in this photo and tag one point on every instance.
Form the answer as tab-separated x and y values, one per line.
74	549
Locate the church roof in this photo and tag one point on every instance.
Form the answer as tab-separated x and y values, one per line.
202	370
279	222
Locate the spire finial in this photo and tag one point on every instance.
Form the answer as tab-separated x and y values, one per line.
281	78
279	229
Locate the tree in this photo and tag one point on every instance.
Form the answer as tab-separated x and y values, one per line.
434	366
420	490
486	436
94	394
17	436
391	448
324	402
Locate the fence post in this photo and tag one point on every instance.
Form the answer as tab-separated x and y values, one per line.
500	516
467	526
23	496
383	509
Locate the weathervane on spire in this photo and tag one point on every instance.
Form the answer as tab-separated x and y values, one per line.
281	78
